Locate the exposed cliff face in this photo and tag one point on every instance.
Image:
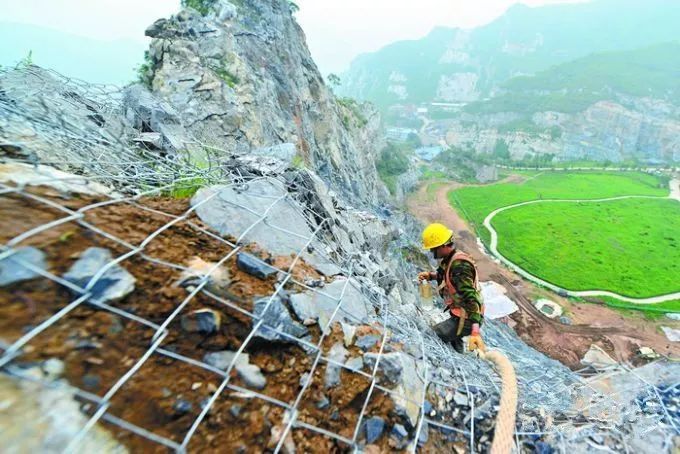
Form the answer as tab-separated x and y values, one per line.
241	77
604	131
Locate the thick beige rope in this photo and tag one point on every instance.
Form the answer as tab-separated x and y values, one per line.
505	420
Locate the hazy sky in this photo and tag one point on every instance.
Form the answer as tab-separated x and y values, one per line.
337	30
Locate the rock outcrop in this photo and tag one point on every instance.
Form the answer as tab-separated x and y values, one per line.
241	77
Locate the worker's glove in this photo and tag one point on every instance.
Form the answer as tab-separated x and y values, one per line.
425	276
475	341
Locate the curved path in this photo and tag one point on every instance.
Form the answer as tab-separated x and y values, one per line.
493	247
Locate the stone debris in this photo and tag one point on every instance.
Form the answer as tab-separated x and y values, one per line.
277	317
114	284
348	333
204	321
182	407
337	353
374	428
355	306
66	183
355	364
13	271
250	373
254	266
367	342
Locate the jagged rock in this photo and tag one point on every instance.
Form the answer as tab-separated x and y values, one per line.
91	382
253	266
235	410
337	353
250	373
321	307
221	208
390	365
348	332
222	359
460	399
323	403
399	431
113	285
182	407
205	321
355	364
226	48
424	434
367	342
402	372
150	139
284	152
276	317
39	418
12	271
225	10
374	428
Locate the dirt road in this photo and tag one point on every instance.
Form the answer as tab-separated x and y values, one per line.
619	335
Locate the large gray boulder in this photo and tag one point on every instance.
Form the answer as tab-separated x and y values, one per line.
260	211
354	306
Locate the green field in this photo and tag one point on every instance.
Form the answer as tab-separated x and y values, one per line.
475	203
630	246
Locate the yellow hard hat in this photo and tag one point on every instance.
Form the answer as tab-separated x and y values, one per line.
436	235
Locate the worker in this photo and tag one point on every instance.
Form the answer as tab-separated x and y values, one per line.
458	285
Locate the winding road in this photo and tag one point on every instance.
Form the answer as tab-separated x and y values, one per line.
493	247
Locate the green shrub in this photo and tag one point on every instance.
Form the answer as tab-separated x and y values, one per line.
355	109
145	71
202	6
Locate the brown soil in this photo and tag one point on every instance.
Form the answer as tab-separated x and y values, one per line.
593	324
98	347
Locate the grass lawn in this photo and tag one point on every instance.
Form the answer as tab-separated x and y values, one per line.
475	203
631	246
651	311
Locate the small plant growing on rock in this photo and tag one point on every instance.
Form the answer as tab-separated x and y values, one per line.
145	71
202	6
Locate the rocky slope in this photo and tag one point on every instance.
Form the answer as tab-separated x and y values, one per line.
217	304
241	77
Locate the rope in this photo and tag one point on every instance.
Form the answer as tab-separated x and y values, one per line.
505	420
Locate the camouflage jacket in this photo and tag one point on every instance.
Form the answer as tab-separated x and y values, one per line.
462	276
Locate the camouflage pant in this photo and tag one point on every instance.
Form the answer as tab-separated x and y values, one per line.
447	330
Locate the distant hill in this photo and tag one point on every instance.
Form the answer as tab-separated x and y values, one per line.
458	65
652	71
110	62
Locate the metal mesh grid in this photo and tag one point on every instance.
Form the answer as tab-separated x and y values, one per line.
137	174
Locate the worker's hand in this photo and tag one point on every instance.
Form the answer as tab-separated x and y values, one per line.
425	276
475	341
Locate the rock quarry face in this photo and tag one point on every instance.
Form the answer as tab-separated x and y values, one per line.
606	130
241	78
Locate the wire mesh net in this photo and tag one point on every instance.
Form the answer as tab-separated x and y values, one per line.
238	319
